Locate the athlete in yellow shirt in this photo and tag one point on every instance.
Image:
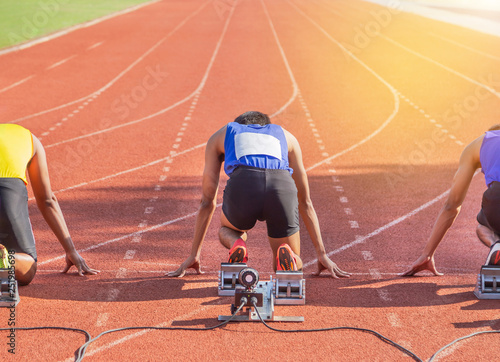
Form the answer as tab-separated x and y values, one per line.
20	151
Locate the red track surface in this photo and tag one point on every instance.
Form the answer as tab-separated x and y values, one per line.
381	128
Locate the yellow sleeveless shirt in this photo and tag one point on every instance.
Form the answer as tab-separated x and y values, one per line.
16	150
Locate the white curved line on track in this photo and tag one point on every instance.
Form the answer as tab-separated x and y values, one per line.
370	70
453	71
473	50
121	173
16	83
119	76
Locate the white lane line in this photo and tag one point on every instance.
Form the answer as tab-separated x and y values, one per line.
58	34
354	224
433	121
384	295
464	46
394	320
453	71
375	274
102	319
61	62
367	255
383	228
120	75
95	45
112	295
129	254
121	273
152	163
16	84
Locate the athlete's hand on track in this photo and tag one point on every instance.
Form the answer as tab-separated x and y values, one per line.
190	262
73	258
324	263
422	263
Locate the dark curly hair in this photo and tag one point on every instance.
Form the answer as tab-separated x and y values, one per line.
253	117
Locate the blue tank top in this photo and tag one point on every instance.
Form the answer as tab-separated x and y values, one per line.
256	146
489	155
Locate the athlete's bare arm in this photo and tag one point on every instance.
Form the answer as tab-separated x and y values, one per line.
49	207
468	164
306	208
214	156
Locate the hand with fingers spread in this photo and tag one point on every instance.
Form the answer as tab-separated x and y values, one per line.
73	258
424	262
190	262
325	263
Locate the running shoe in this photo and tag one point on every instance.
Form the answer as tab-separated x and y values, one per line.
286	259
4	258
494	255
238	253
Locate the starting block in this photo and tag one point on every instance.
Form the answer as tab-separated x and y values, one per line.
289	288
243	283
9	295
488	282
228	278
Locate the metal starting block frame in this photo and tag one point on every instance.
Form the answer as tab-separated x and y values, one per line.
228	278
287	289
9	295
488	282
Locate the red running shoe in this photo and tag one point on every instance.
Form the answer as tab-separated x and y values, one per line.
285	260
238	253
494	255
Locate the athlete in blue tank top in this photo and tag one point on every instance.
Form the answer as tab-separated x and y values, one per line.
259	158
483	152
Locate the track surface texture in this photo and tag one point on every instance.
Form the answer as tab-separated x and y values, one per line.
382	102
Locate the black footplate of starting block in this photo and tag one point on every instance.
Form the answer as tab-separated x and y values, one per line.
9	295
289	288
228	278
488	282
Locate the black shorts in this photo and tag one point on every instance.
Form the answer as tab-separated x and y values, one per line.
15	226
253	194
489	215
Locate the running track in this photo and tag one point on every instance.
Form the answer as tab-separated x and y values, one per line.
124	108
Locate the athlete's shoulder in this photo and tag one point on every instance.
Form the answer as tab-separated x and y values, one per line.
216	141
471	153
289	136
13	127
